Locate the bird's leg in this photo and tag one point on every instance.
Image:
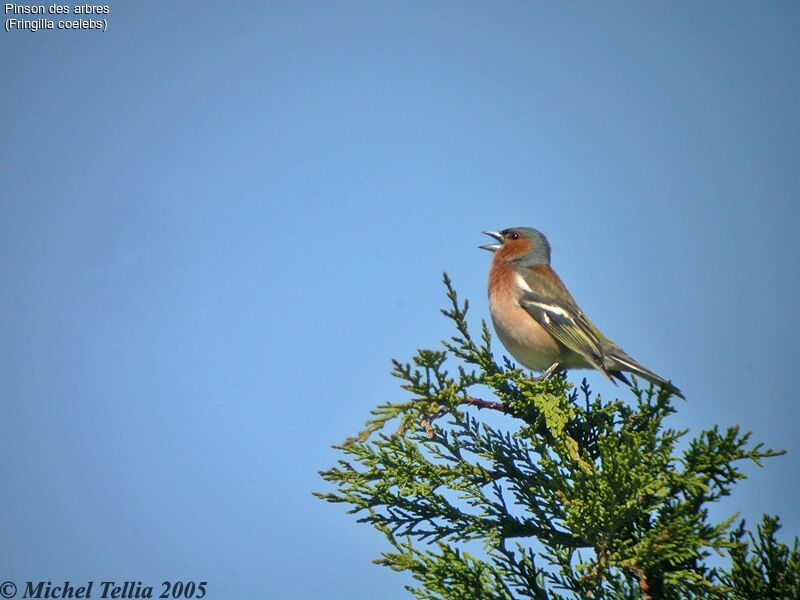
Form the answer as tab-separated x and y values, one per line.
550	370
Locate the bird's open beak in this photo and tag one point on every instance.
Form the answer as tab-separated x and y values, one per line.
492	247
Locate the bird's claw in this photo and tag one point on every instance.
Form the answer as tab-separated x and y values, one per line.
550	370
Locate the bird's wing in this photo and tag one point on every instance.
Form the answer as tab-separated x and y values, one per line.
547	300
618	359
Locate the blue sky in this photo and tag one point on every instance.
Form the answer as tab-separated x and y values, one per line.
217	227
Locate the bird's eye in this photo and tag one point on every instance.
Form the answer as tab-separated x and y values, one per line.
513	236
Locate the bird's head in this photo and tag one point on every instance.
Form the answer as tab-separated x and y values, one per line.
523	245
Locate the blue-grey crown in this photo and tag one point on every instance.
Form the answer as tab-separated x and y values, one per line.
540	247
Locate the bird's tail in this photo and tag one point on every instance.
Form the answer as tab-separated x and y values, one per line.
622	362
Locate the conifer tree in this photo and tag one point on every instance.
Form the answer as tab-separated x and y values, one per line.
577	497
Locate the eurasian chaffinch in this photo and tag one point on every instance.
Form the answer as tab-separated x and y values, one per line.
537	319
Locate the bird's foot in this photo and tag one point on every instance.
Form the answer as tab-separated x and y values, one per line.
550	370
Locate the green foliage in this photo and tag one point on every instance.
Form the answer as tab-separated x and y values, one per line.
579	498
769	570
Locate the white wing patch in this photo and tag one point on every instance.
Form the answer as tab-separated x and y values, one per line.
553	308
522	283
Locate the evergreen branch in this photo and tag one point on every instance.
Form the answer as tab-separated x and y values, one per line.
597	487
477	402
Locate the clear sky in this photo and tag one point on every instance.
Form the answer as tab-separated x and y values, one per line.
218	224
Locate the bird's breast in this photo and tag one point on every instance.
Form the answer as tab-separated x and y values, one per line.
525	339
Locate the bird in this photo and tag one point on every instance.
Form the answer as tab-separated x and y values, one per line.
539	322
